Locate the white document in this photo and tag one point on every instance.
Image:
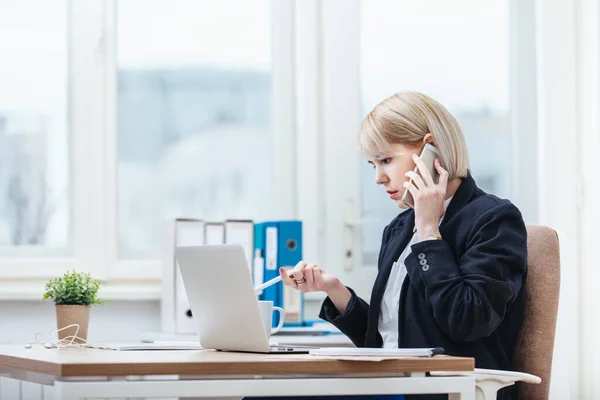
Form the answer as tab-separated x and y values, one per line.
375	352
271	248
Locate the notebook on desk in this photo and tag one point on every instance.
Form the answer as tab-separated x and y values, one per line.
376	352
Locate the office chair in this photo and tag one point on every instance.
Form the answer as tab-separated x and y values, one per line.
535	343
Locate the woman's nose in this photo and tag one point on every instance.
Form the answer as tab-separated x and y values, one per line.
380	177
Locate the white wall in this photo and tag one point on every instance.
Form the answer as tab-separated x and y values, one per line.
568	77
113	321
116	321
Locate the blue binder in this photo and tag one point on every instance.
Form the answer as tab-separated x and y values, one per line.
279	244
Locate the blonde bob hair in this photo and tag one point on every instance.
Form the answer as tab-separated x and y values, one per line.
406	118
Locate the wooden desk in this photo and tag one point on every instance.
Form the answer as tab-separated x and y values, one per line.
80	373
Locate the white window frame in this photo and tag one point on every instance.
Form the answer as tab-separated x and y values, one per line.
524	185
327	115
93	160
588	30
86	151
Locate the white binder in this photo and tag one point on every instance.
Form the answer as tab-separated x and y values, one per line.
241	231
175	310
214	233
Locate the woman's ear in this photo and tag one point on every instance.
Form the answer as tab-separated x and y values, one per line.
428	138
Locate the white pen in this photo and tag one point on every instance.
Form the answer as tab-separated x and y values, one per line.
267	284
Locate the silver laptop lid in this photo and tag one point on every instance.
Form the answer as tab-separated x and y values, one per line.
222	299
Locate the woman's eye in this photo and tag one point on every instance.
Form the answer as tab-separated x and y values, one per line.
386	160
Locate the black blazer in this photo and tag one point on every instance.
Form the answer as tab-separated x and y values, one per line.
463	293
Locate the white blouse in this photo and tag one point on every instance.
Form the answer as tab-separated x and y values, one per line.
390	303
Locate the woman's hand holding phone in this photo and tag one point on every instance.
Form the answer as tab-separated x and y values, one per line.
428	197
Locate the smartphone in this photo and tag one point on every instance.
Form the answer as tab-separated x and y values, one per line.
428	155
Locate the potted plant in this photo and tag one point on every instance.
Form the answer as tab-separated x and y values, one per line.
73	294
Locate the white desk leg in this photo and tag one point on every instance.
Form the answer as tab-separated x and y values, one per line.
125	379
61	392
467	393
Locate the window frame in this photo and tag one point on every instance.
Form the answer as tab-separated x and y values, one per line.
316	59
92	124
86	150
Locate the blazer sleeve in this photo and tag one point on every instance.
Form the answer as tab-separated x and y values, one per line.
468	297
353	322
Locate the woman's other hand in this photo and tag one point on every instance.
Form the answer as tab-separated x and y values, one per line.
308	278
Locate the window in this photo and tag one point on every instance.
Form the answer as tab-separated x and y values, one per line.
458	53
34	161
117	115
193	115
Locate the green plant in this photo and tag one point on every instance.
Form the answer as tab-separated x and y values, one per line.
73	288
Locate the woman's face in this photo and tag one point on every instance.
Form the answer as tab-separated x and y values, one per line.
391	168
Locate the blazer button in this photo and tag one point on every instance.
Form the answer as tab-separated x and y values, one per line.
423	261
425	268
421	256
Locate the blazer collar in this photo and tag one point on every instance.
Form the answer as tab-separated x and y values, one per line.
402	229
461	198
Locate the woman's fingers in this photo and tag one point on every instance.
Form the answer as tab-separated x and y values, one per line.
317	278
297	273
302	277
443	182
412	189
309	276
287	280
295	277
417	180
427	178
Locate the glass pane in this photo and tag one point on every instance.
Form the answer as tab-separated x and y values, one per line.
34	177
458	53
193	114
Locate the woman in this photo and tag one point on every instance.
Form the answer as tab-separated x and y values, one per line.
452	268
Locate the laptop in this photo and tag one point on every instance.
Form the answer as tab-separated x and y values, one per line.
223	302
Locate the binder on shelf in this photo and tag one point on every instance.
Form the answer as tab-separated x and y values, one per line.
279	244
214	233
176	316
258	267
241	231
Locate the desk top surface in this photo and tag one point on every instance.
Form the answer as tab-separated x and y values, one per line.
74	362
